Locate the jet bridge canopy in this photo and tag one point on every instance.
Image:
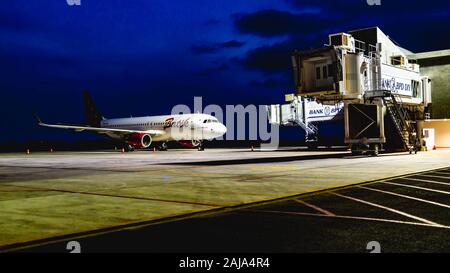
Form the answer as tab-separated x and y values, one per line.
317	71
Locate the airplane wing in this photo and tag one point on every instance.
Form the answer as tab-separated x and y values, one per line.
100	130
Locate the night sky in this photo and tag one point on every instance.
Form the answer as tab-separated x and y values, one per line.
142	57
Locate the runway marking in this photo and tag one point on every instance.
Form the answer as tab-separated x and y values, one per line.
387	208
69	168
291	195
414	187
441	172
427	181
406	196
355	218
434	176
324	211
121	196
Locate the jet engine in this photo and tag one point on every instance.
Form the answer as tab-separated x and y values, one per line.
139	140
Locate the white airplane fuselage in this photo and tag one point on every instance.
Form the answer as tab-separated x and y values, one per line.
184	127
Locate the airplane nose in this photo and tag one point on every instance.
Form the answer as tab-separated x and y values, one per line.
222	129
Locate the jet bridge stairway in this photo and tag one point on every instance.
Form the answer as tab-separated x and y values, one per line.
404	125
311	130
295	117
306	114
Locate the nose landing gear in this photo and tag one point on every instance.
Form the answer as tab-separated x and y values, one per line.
201	146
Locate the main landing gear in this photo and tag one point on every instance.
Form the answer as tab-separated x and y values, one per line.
163	146
128	148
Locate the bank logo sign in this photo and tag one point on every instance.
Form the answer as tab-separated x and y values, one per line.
399	86
316	110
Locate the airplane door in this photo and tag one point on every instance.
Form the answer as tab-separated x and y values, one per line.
197	129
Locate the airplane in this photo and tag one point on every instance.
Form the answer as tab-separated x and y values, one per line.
190	130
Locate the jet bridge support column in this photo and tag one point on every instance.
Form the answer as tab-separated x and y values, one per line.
364	126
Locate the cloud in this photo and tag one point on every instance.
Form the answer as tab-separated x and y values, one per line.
231	44
408	10
270	83
334	7
268	58
215	47
276	57
203	49
211	70
270	23
310	22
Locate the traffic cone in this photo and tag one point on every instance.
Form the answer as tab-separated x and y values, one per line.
252	148
123	150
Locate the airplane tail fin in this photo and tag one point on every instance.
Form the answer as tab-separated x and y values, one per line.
93	117
38	119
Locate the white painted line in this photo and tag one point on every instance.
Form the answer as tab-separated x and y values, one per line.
427	181
435	176
415	187
388	209
354	218
441	172
406	196
321	210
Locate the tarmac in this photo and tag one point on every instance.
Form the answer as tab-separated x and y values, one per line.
49	198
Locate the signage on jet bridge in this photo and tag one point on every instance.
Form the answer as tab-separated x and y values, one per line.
323	112
397	85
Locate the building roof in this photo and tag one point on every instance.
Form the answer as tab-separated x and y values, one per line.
430	54
432	58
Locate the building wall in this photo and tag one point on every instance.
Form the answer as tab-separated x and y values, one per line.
441	130
440	89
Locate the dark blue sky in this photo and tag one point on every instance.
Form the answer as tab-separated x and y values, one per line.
141	57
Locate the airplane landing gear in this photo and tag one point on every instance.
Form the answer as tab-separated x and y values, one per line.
163	146
201	146
376	150
128	148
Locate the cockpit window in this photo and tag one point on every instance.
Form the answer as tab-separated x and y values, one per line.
210	121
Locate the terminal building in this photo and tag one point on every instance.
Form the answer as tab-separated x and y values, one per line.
436	65
377	88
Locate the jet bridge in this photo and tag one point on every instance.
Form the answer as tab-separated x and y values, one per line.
306	113
366	79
